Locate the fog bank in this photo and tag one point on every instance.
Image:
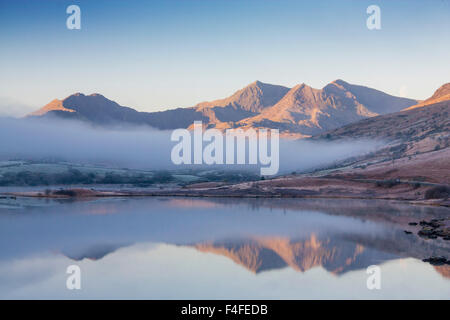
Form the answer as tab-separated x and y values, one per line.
143	147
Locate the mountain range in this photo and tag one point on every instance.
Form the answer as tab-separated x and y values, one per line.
301	111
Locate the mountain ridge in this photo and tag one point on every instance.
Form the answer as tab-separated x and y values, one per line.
301	110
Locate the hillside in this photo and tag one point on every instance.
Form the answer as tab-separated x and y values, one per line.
441	94
407	133
416	148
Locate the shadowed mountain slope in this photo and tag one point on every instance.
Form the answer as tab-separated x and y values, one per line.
374	100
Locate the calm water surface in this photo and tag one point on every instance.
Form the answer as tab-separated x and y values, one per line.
177	248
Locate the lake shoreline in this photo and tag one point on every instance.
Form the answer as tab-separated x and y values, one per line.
229	192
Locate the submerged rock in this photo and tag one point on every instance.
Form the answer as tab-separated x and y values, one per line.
434	228
437	261
426	231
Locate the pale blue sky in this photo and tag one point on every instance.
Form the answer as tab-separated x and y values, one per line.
154	55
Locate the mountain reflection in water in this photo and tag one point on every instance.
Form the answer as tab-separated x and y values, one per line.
260	235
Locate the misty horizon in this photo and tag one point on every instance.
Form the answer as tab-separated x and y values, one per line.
143	147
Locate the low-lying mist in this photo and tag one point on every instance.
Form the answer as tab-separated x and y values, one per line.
143	147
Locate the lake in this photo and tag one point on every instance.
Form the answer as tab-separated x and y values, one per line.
216	248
